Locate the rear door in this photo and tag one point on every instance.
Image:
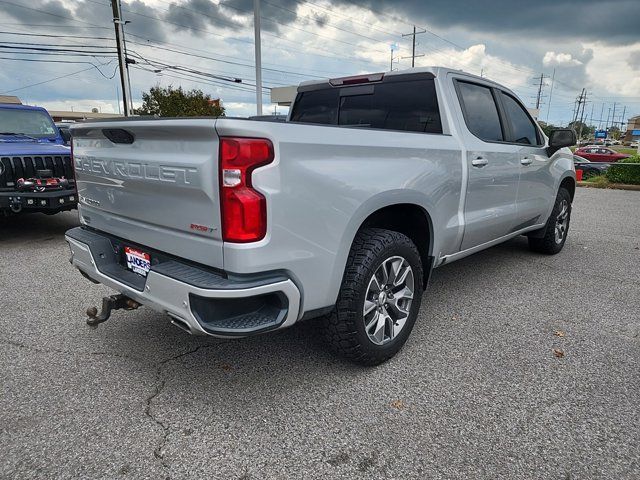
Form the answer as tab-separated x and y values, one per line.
152	182
493	166
536	190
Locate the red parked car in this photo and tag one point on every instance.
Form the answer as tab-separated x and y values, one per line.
599	154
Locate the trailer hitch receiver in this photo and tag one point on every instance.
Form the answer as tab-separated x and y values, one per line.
113	302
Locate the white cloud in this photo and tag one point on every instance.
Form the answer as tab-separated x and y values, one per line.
623	79
553	59
476	60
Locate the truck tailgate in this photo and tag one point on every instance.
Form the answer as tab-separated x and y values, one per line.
152	182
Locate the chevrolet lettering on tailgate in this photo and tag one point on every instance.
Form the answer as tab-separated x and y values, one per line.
136	170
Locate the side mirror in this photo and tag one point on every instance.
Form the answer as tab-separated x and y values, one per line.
560	138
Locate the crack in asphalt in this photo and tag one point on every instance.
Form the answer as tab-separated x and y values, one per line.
158	452
159	387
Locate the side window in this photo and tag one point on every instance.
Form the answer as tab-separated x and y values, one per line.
523	130
480	111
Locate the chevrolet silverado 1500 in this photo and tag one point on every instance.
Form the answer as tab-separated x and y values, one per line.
234	227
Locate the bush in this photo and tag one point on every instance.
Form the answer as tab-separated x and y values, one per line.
620	173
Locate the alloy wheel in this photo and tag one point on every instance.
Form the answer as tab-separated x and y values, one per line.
562	222
388	300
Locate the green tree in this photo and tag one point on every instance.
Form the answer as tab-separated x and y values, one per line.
614	132
547	128
175	102
582	129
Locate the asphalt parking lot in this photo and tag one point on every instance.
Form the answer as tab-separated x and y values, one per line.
477	392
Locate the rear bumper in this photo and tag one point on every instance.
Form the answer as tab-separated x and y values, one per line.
47	202
200	301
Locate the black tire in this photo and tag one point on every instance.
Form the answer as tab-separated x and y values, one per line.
344	327
548	243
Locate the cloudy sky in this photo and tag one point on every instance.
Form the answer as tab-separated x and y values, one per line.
59	53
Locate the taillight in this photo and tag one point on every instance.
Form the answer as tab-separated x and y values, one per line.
243	209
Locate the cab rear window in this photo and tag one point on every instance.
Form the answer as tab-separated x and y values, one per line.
409	105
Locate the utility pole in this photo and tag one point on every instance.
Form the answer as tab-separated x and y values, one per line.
619	124
600	119
413	49
393	47
539	97
613	116
553	79
256	25
584	103
579	101
122	57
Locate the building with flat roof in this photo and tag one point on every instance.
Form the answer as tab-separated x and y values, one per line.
10	99
62	115
633	130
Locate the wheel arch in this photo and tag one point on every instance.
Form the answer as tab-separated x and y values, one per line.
411	220
391	211
569	183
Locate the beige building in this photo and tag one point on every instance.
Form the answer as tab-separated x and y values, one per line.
62	115
10	99
633	130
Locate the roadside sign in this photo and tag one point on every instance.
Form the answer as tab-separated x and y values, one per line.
601	134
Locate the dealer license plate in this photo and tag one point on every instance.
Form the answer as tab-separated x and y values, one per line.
137	261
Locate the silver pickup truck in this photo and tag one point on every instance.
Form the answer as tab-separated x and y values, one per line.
234	227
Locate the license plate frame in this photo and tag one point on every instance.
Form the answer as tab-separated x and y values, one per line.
137	261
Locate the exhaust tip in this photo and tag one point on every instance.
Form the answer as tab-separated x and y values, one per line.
181	324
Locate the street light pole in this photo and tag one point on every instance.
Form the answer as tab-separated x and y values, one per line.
256	24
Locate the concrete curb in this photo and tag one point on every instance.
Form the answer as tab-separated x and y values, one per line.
611	186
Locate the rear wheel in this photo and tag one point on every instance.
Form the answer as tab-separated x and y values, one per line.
379	298
557	227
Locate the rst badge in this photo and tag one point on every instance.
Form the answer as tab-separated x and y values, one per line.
137	261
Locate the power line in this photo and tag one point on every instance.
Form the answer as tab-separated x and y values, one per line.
45	49
351	19
54	79
51	61
55	36
327	23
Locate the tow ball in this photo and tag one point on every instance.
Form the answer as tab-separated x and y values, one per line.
113	302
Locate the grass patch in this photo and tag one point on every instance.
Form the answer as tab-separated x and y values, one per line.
598	181
626	150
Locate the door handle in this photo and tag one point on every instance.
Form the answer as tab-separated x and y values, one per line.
526	161
479	162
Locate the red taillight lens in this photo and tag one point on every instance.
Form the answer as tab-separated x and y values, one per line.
244	209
